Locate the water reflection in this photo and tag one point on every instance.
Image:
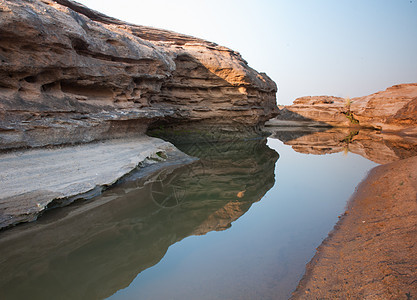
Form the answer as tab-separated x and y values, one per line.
263	255
379	147
91	250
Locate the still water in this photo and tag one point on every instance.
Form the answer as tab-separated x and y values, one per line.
240	223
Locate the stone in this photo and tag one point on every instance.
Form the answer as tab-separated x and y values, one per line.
394	109
69	74
313	111
33	180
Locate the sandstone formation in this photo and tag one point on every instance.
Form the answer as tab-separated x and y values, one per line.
91	250
32	181
394	109
372	252
314	111
69	74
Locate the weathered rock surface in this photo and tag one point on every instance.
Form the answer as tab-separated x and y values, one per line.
69	74
372	254
31	179
394	109
315	111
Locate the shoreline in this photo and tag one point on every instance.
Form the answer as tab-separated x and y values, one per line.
372	251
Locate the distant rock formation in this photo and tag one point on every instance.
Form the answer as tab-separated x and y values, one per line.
69	74
394	109
324	111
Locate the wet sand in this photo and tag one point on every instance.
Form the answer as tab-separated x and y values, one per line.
372	251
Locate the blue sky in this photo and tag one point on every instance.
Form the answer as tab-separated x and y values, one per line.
344	48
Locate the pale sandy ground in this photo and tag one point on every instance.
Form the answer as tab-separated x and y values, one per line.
372	253
31	179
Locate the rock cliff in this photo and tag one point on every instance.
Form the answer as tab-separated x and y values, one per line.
69	74
394	109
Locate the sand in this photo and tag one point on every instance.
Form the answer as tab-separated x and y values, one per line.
372	251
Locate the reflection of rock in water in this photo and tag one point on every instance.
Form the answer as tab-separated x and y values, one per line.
374	145
90	251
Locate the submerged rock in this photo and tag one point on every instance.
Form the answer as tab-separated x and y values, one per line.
69	74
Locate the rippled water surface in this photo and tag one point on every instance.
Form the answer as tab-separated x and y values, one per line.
240	223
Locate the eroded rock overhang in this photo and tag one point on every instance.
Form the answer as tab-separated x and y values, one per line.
69	74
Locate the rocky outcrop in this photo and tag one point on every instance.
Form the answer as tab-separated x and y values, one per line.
69	74
315	111
394	109
32	181
371	254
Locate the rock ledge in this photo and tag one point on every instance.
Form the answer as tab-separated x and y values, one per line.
32	179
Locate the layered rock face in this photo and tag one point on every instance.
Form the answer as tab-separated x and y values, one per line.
315	111
69	74
394	109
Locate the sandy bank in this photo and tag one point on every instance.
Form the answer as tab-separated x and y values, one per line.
31	179
372	253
